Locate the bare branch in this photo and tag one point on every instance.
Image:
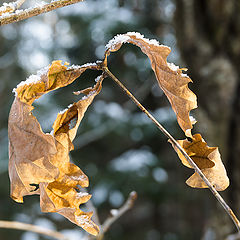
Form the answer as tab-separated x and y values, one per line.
117	213
31	12
177	146
32	228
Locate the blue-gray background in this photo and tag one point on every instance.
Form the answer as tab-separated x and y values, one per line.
117	146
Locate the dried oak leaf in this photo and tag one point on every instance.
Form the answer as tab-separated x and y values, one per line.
36	158
61	196
208	159
170	78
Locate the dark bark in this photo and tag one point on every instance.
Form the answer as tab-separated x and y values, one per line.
208	36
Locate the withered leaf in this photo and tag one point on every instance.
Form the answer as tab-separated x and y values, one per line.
170	78
216	175
208	160
58	196
36	158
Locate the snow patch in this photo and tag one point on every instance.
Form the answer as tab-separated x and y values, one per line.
192	119
32	79
84	221
86	65
123	38
114	212
78	178
172	66
64	110
98	78
82	194
8	6
140	36
119	39
184	75
89	95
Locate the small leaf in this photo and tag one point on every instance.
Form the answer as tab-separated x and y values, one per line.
170	78
216	175
208	160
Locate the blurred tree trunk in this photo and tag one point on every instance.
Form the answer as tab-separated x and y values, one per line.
208	36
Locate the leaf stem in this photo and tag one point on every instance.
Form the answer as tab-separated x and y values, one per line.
176	145
32	228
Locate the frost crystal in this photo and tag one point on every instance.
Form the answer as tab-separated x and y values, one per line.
119	39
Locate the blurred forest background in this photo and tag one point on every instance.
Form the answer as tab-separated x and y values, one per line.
117	146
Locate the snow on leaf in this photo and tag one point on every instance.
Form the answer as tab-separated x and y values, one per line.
36	158
7	8
170	78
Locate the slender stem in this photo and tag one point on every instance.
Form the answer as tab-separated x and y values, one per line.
117	213
32	228
176	144
27	13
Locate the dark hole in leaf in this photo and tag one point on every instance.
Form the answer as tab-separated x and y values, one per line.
34	185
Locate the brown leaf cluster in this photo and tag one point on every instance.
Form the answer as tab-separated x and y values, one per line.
39	159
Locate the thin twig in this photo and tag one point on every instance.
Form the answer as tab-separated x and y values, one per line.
117	213
176	145
31	12
32	228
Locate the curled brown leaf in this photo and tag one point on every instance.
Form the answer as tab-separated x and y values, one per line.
170	78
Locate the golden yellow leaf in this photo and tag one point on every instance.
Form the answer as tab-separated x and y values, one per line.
43	159
170	78
208	159
48	79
